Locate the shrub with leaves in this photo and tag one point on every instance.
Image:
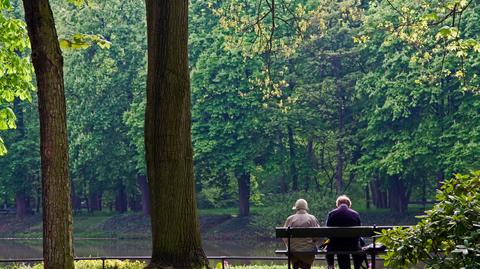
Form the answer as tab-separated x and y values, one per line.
448	236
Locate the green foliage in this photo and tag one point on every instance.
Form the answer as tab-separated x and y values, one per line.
268	89
101	86
84	41
412	97
448	235
15	68
260	27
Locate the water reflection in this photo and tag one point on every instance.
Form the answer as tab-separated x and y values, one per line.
10	249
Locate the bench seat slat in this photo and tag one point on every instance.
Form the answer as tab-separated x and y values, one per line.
337	232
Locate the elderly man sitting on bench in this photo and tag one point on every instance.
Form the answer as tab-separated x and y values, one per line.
301	219
343	216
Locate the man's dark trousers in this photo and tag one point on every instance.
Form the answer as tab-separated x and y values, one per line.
344	260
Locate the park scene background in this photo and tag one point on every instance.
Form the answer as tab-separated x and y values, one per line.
289	99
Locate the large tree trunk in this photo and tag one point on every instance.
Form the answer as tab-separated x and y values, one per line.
175	230
48	62
143	185
244	193
293	153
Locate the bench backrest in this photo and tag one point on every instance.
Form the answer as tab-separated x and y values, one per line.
338	232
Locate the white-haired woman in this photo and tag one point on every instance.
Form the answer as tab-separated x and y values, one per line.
301	219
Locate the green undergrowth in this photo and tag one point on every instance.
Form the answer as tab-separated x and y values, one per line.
117	264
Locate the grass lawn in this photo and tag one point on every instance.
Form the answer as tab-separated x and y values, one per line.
115	264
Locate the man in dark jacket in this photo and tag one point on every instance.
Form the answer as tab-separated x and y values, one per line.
343	216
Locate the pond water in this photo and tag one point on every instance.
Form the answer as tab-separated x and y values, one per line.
14	248
22	248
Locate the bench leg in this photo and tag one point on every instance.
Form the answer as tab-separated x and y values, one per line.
289	249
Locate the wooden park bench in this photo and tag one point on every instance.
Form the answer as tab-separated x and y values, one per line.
331	232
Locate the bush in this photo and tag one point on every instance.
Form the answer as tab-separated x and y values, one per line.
448	236
264	222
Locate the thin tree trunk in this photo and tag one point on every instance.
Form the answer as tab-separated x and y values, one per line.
283	177
121	199
367	197
313	165
95	201
5	200
143	185
440	178
20	173
48	62
398	199
39	199
244	193
379	197
176	241
76	201
134	202
283	183
293	153
20	204
340	96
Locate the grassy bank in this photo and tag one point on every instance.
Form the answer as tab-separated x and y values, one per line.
116	264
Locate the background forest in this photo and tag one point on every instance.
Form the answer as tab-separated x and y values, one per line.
374	99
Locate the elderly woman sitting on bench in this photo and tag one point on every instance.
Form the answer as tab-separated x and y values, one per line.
301	219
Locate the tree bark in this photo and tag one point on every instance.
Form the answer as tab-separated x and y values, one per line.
293	152
48	62
312	159
379	197
168	145
21	206
397	195
20	172
95	201
340	96
121	199
367	197
244	194
76	201
134	202
143	185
